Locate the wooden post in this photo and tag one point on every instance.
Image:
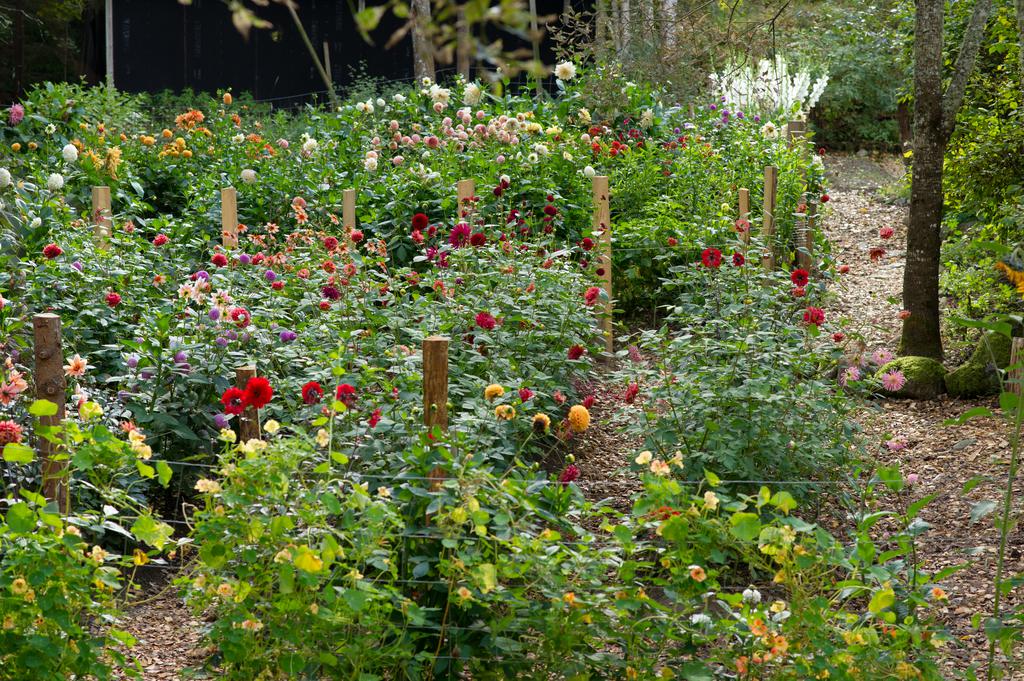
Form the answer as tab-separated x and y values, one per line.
771	186
1016	373
745	212
464	190
797	132
435	382
50	385
348	210
463	44
102	218
248	420
602	225
229	217
805	239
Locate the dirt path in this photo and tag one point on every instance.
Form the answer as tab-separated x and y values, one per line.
942	457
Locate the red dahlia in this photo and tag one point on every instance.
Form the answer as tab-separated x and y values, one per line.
233	400
576	351
51	251
219	259
113	299
312	392
160	240
814	315
258	392
799	277
486	321
711	257
345	394
330	243
738	259
419	222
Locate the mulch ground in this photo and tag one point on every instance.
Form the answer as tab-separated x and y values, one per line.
944	457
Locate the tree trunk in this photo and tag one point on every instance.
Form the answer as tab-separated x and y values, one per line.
921	334
934	122
1020	41
422	47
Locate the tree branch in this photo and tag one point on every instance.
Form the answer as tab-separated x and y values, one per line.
969	48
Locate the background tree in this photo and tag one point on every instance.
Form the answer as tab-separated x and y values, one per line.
935	113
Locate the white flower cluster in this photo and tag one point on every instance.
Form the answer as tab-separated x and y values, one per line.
770	88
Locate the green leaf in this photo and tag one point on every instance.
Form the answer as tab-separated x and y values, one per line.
890	477
43	408
972	483
151	531
15	452
982	509
880	600
292	663
214	554
163	472
487	577
745	526
21	519
712	479
784	501
976	413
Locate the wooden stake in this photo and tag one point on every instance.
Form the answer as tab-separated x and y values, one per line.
745	212
51	386
465	190
602	224
348	210
229	217
435	382
1016	373
771	186
248	420
797	132
102	218
463	44
805	239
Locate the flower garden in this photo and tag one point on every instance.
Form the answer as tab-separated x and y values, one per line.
336	394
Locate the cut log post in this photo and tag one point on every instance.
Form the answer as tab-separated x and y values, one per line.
348	210
248	420
771	186
745	213
465	190
1016	373
797	132
51	386
435	382
102	218
229	217
602	226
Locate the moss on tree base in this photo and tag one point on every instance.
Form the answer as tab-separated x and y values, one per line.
979	375
925	377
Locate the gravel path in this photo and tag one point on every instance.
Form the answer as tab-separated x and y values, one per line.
943	457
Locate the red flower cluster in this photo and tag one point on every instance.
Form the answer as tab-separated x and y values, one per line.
257	394
345	394
814	315
799	277
591	296
330	243
587	243
51	251
419	222
312	392
219	259
711	257
160	240
486	321
738	260
113	299
576	351
240	316
478	239
570	473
